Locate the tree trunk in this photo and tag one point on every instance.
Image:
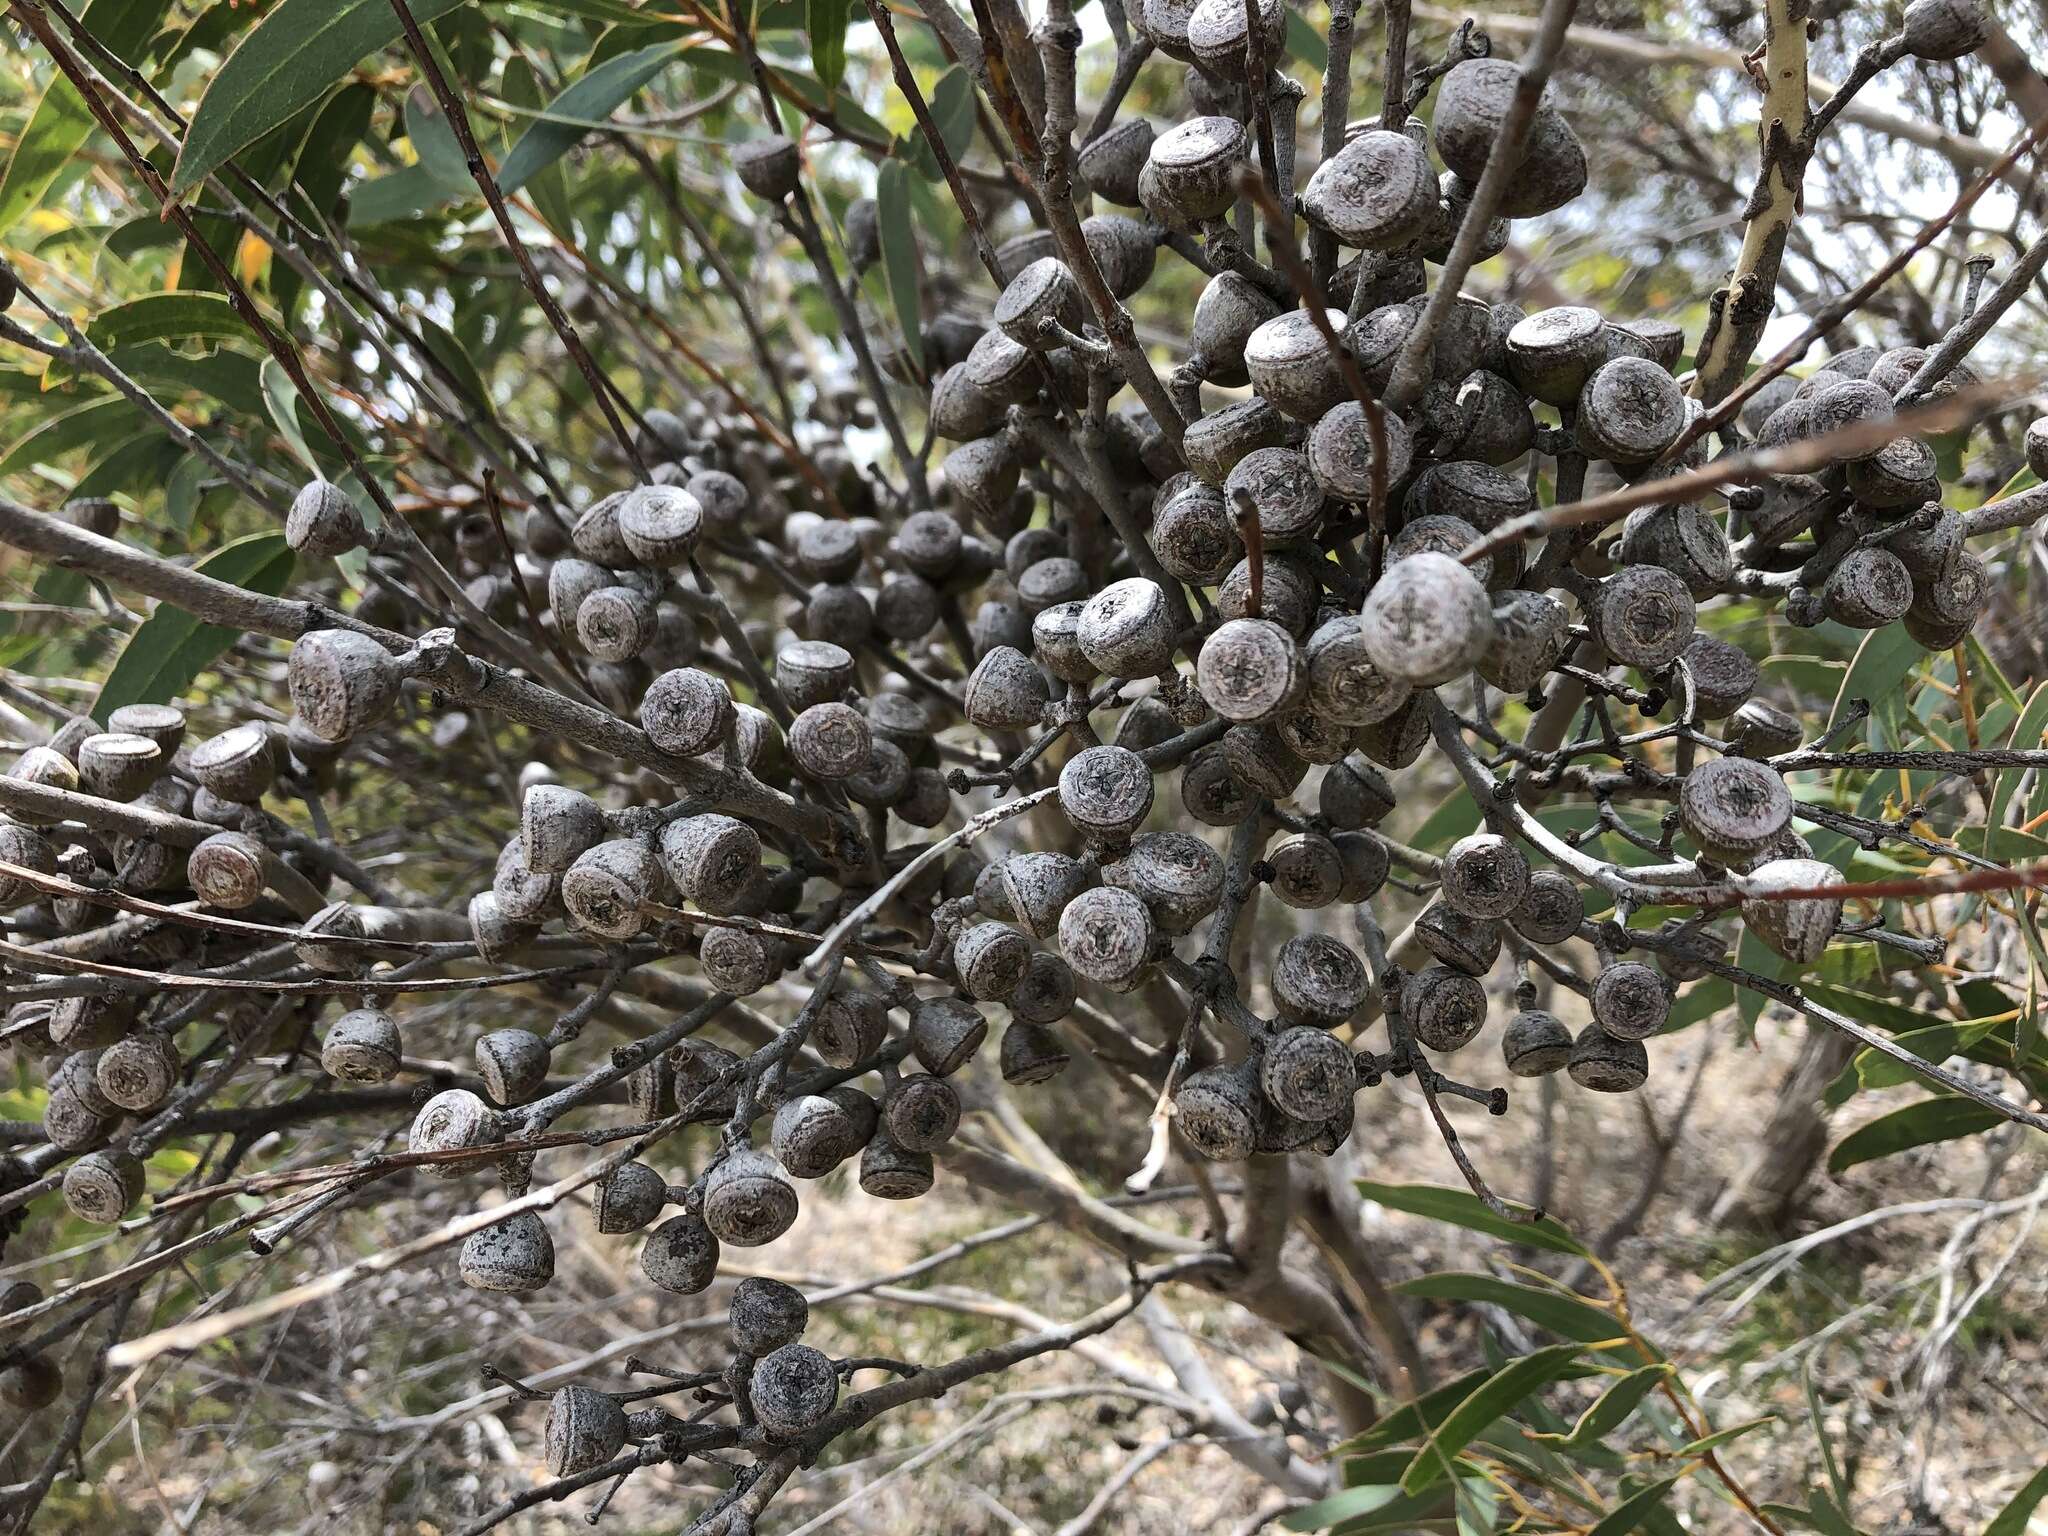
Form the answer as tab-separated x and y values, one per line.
1765	1194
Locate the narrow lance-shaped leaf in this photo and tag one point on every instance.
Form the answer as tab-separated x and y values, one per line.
1493	1397
170	648
1917	1125
899	254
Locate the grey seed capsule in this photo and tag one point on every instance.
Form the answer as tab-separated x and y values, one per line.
767	167
1555	351
1630	1000
1112	162
340	683
48	767
765	1315
1286	497
323	522
1480	416
1484	875
1606	1065
1047	992
1188	174
1218	31
1661	341
686	711
813	672
1471	944
1366	865
1217	1110
1005	692
1214	443
72	1125
86	1022
1798	928
1127	629
1260	759
1723	675
513	1064
2037	446
1482	495
1250	670
1213	794
1535	1043
1045	291
608	887
794	1390
1764	730
1292	366
1930	552
1550	911
882	780
829	741
239	764
102	1187
1343	684
1031	1053
681	1255
616	623
712	859
1956	596
1314	738
1642	616
1318	980
1058	580
990	959
1426	620
227	871
892	1172
704	1078
1056	642
522	895
660	524
1945	29
515	1255
1531	631
840	614
1398	740
1307	1073
1106	792
1630	411
737	962
139	1072
1378	192
1901	474
920	1112
596	535
1869	589
557	825
163	724
30	850
1291	597
983	476
1473	99
628	1197
115	766
1307	871
961	409
1355	794
850	1027
1038	887
929	543
1438	534
1106	935
1732	807
1444	1007
585	1429
812	1134
945	1032
747	1201
925	800
363	1046
452	1120
997	623
1230	309
1125	250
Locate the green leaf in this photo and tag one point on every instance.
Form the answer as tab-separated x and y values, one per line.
899	253
592	99
1611	1409
1820	1515
281	66
1491	1399
61	121
1884	660
182	492
139	462
166	317
825	23
1721	1437
1559	1313
1627	1516
2012	1520
1461	1208
434	142
953	117
1305	43
281	399
171	647
548	188
402	195
77	428
1946	1118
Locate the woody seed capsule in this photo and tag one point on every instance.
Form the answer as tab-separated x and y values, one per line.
1732	808
686	712
1211	792
1260	758
102	1187
990	959
118	767
1869	589
1106	792
1378	192
1445	1008
1215	442
1187	177
1426	620
1535	1043
585	1429
794	1389
1177	875
850	1027
239	764
627	1198
1106	935
1318	980
1606	1065
1642	617
1550	911
1292	366
829	741
1630	1001
747	1201
681	1255
1798	928
921	1112
892	1172
608	887
513	1064
323	522
1250	670
1112	162
1630	411
945	1032
1307	871
1484	875
765	1315
1217	1109
514	1255
1307	1073
139	1072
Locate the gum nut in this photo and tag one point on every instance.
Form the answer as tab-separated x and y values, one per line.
1426	620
